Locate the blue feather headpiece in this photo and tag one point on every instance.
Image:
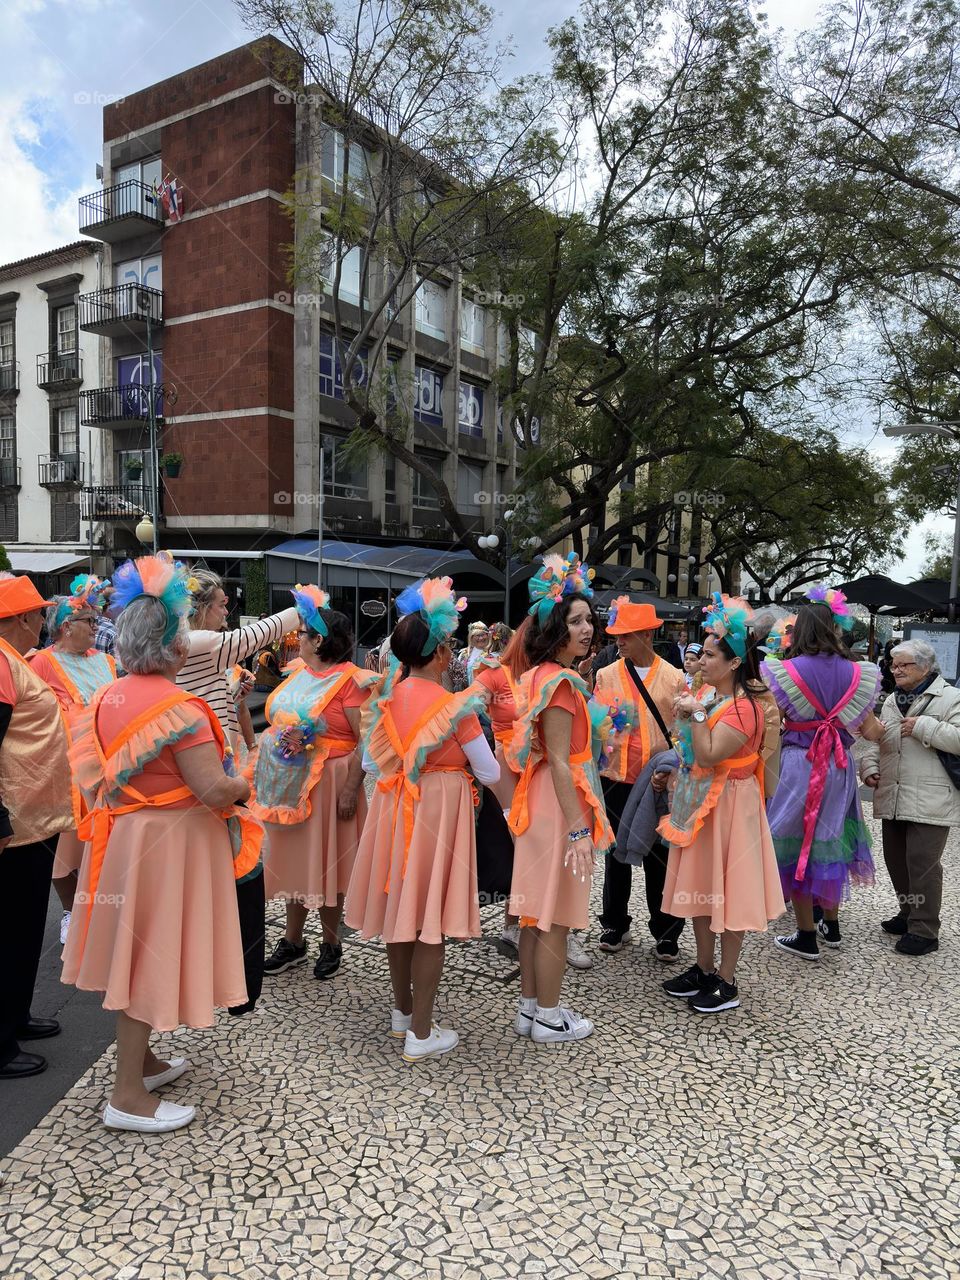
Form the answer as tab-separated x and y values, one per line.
161	577
558	577
728	619
85	590
434	600
309	601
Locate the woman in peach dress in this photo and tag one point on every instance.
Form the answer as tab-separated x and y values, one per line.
306	780
722	869
557	814
415	879
74	670
155	924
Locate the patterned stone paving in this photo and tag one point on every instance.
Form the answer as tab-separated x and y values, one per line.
812	1134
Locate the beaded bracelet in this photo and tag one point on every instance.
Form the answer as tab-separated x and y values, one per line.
579	835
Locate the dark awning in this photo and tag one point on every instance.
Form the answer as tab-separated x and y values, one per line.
876	592
401	561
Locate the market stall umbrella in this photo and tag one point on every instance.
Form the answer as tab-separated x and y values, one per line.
877	592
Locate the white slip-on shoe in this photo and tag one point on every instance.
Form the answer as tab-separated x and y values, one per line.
571	1026
64	926
174	1071
167	1117
399	1023
440	1040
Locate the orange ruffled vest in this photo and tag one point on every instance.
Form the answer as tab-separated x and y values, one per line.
34	770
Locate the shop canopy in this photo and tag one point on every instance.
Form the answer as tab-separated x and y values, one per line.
881	594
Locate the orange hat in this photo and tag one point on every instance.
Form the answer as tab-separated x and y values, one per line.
19	595
626	617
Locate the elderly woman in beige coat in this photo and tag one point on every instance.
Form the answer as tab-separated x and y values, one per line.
913	792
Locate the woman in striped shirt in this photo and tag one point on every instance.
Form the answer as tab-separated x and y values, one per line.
213	653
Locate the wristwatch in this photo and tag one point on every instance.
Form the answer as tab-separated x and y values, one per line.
699	716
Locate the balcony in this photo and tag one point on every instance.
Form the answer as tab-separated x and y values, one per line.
60	471
123	406
9	474
115	502
59	372
10	379
115	213
121	310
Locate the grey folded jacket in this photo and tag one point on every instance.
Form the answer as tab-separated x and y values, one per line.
645	807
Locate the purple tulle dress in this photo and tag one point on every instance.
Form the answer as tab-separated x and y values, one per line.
815	815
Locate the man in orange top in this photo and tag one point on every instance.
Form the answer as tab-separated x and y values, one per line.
634	626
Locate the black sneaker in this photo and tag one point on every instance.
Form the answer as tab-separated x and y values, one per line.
667	952
692	982
328	960
799	944
614	939
725	997
897	925
285	956
912	944
829	931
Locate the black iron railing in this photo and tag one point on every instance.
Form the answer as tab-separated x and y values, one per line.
129	402
130	199
122	304
58	369
115	502
56	471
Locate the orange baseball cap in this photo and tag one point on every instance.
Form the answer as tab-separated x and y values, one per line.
19	595
626	617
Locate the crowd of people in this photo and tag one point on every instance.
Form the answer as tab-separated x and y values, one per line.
130	776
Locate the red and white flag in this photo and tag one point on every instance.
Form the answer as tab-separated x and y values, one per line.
170	199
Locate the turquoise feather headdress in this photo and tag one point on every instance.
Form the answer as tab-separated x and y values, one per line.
558	577
309	601
728	618
85	589
159	576
434	600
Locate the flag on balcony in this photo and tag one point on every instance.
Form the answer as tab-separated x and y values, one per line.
170	199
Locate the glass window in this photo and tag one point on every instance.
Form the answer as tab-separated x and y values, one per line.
470	410
333	157
331	371
473	321
424	494
66	330
469	488
526	349
389	478
146	271
432	308
67	432
6	342
8	438
342	477
428	404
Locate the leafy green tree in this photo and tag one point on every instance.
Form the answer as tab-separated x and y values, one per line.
5	565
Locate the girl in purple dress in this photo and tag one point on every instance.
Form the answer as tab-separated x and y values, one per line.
815	815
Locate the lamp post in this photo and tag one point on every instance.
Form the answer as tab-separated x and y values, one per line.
490	542
940	429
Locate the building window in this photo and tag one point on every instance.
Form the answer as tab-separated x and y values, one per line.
66	444
64	518
334	157
389	478
331	371
9	520
432	308
469	488
66	321
470	410
342	477
8	438
428	404
424	494
351	274
473	321
140	271
6	344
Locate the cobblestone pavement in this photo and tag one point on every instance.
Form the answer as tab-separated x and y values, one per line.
811	1134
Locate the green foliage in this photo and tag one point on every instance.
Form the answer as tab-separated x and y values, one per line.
5	565
255	587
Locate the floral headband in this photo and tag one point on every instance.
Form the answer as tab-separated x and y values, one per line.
728	618
309	600
161	577
85	591
434	600
835	601
558	577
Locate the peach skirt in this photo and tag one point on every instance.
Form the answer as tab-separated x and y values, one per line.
164	938
543	889
311	862
69	855
729	872
437	897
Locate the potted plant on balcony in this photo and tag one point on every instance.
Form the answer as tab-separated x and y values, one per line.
133	468
171	463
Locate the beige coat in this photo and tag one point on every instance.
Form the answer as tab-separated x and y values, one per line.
914	786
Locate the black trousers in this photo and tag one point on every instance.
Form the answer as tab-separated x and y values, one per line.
251	908
618	878
25	873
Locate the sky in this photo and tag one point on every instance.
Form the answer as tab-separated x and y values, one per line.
66	59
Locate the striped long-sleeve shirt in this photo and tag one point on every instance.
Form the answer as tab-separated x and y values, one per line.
213	653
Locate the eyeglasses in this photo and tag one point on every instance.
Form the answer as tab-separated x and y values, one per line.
901	666
89	622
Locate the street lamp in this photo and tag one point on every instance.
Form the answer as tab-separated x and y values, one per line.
490	542
145	532
940	429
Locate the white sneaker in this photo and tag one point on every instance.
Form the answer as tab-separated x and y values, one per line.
576	956
168	1116
177	1067
64	926
570	1027
523	1023
511	936
440	1040
399	1023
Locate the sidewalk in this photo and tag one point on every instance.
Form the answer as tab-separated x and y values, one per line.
812	1133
